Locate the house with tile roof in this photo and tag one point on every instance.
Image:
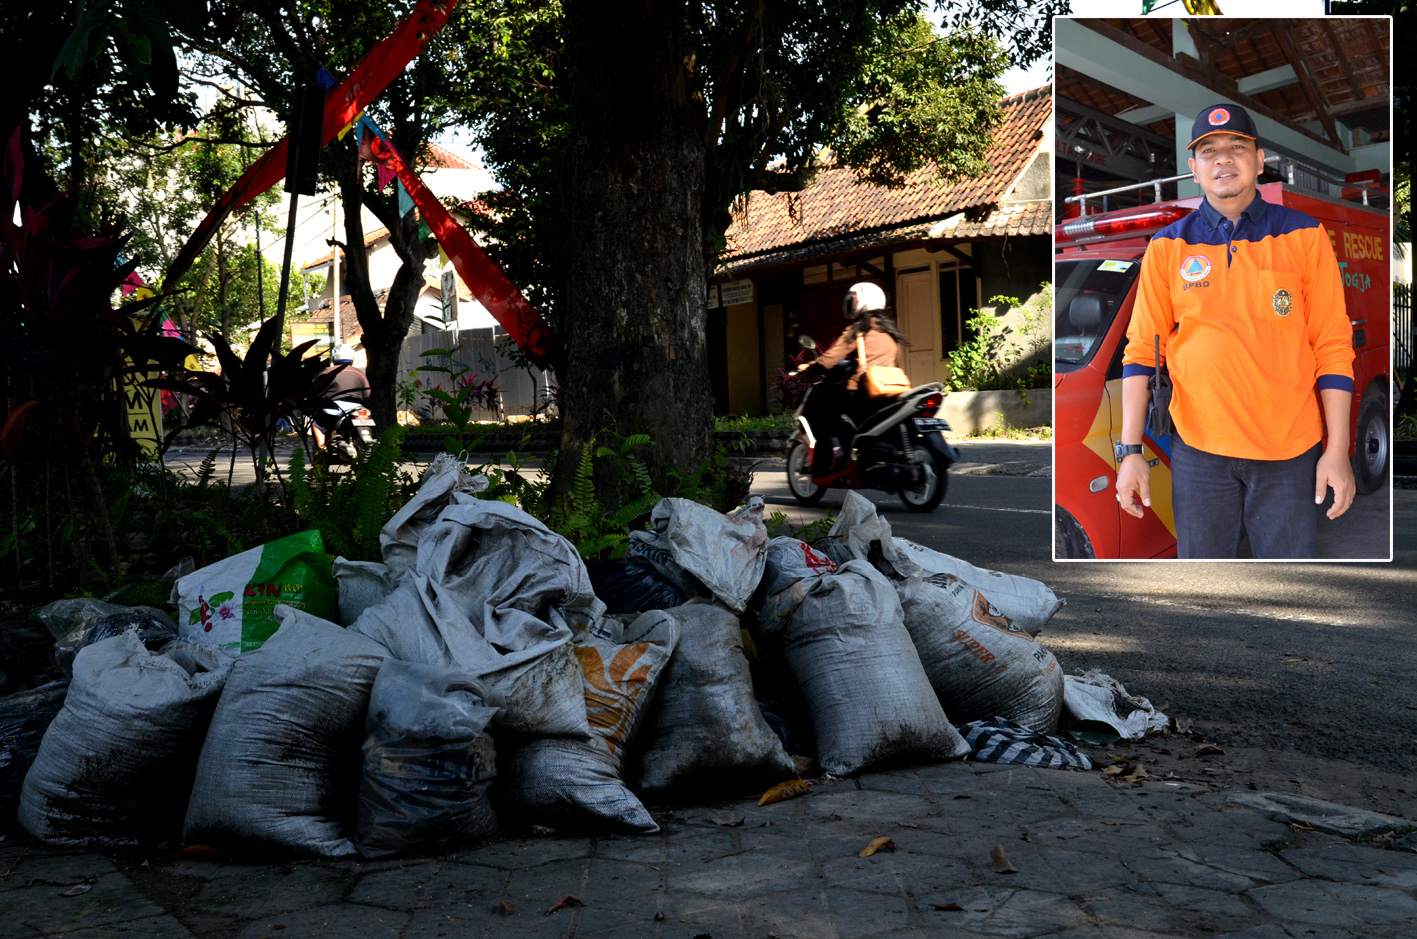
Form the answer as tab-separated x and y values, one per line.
940	251
448	176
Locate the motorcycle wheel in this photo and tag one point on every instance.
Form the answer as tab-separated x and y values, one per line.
799	476
931	490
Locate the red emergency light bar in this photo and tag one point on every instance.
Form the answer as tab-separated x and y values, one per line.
1098	227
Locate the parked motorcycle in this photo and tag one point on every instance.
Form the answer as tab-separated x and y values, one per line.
896	444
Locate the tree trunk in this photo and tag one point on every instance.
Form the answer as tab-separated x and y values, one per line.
636	358
384	332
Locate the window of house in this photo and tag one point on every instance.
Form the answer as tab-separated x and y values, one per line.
957	301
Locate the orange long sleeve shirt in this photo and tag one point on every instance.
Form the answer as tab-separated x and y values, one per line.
1252	320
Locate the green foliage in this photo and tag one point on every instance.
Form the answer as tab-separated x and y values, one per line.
465	396
581	517
782	420
987	358
814	532
349	508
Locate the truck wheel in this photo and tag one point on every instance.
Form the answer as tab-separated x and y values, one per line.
1070	541
799	476
1372	455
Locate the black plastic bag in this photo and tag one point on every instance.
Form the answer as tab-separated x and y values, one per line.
155	629
633	586
24	718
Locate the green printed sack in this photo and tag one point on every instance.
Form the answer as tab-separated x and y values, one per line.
230	603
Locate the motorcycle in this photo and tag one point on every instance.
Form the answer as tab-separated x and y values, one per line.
897	444
349	428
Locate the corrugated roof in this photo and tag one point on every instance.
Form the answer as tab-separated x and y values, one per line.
834	205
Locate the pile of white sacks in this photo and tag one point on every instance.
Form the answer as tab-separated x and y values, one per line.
477	679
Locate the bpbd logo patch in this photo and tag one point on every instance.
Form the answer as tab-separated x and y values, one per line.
1195	268
1218	116
1282	302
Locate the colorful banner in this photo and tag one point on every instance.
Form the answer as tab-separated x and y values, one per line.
380	66
481	274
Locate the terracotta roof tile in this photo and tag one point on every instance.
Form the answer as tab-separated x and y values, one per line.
348	319
834	205
369	239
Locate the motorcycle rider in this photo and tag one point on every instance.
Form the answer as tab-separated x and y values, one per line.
864	307
349	385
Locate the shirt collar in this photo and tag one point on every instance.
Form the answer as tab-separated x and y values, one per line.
1254	211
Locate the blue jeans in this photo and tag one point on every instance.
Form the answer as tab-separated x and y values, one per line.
1216	499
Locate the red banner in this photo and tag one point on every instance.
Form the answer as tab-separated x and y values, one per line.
481	274
380	66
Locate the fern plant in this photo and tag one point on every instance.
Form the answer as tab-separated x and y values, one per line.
583	519
351	508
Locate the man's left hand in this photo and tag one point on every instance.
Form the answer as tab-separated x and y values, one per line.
1334	471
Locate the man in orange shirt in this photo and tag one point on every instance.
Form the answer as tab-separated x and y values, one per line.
1246	301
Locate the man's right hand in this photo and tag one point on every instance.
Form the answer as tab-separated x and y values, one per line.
1134	484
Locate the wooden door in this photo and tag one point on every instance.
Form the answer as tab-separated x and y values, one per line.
915	314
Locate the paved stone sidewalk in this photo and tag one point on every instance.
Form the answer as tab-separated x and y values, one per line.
1094	860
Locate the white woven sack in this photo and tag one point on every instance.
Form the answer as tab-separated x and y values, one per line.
576	783
362	584
705	728
281	764
494	593
870	700
116	764
398	539
698	548
979	664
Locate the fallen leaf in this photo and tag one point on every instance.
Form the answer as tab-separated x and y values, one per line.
1117	770
785	790
77	889
999	862
948	907
907	825
727	821
197	850
879	844
1207	749
1301	826
505	908
566	902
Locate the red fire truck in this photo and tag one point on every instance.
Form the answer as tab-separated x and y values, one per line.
1095	283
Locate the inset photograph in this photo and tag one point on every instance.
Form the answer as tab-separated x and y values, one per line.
1222	315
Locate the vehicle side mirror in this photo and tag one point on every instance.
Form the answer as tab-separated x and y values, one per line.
807	342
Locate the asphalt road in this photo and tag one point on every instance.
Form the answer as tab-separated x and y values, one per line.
1303	673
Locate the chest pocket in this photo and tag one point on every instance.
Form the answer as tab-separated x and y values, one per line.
1279	299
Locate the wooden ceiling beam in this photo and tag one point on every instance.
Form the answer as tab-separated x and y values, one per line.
1356	88
1237	36
1312	91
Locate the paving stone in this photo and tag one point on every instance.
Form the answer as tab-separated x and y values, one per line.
209	895
857	914
1080	873
153	927
347	920
1357	865
649	850
1266	931
1249	862
903	781
1336	904
793	915
745	875
1137	906
1324	816
621	885
1216	903
688	915
543	885
435	884
1012	913
1171	866
112	899
882	808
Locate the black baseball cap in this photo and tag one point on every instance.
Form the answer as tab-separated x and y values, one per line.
1222	119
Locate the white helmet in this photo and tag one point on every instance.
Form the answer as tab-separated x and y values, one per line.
862	297
343	354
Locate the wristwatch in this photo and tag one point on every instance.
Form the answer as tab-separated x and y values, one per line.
1125	449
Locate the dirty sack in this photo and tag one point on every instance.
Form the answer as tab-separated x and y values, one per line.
428	760
705	728
281	764
24	717
978	662
361	584
494	593
117	763
153	627
1096	696
231	604
633	586
1027	603
706	552
398	539
790	567
869	697
1000	740
573	783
